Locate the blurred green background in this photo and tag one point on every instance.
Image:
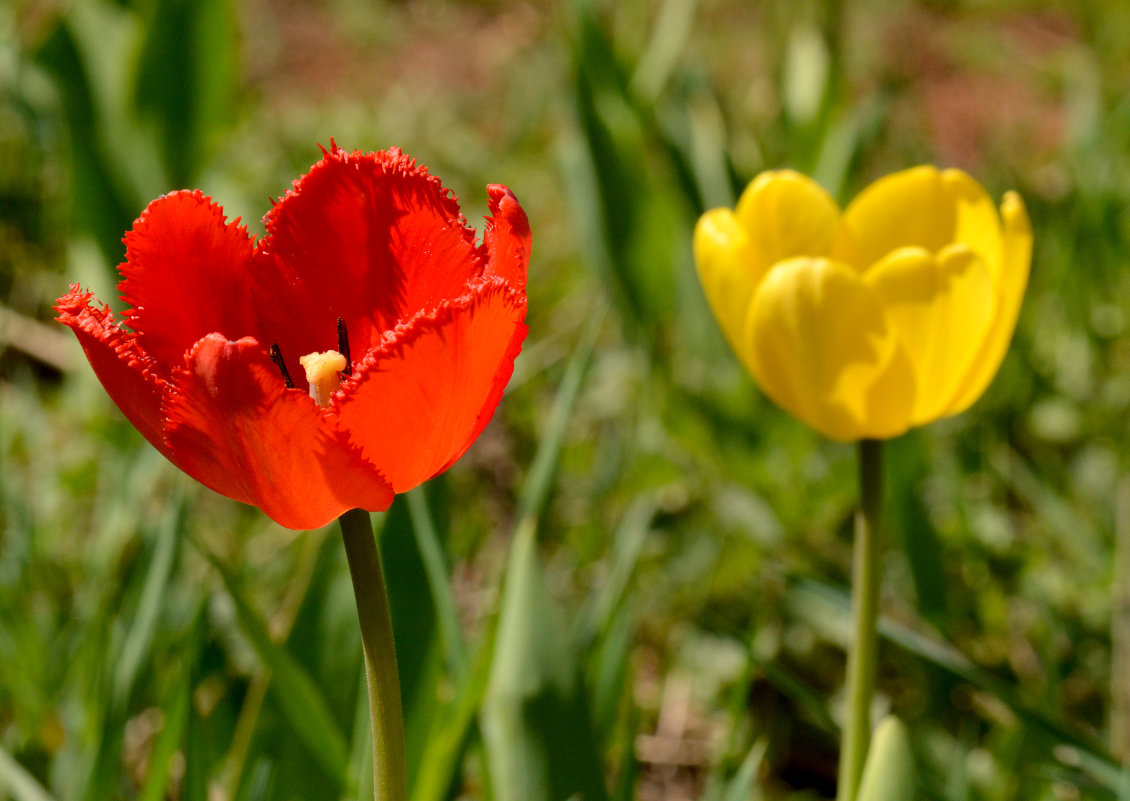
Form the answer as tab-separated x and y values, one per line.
687	542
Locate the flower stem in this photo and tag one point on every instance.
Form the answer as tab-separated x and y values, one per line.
1120	632
390	771
865	613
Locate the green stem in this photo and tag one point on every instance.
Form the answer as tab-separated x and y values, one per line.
1120	632
865	614
390	771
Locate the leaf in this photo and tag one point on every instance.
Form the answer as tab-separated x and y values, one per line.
418	648
630	220
185	79
1045	727
105	204
667	42
907	471
807	73
439	580
535	717
627	546
450	733
889	772
539	480
361	748
604	630
15	779
539	741
172	732
742	786
153	594
299	697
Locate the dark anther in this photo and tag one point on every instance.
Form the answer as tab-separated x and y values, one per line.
343	346
276	357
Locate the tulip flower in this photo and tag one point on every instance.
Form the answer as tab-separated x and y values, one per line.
368	282
892	314
864	323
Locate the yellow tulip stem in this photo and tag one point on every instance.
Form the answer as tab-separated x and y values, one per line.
865	614
390	770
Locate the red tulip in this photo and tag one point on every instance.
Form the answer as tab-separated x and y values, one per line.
367	254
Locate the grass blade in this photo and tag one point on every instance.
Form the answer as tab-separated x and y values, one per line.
1050	730
540	745
297	694
439	581
448	738
17	781
538	481
149	606
535	718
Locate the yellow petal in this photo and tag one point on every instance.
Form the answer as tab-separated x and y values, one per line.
920	207
821	348
1011	280
728	270
942	308
780	215
787	214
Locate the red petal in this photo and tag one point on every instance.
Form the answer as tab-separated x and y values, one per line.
507	238
422	397
370	238
187	274
234	427
130	376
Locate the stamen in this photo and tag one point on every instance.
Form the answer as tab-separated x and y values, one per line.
323	371
277	358
343	346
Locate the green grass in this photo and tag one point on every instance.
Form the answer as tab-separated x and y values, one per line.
690	541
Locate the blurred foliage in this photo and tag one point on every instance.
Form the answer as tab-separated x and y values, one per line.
634	584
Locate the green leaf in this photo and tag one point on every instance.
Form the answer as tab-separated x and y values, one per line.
105	203
539	741
15	779
172	732
889	772
1045	726
413	610
631	223
539	480
185	79
807	73
360	748
908	469
149	607
627	546
742	786
535	717
439	580
448	739
297	694
605	628
667	42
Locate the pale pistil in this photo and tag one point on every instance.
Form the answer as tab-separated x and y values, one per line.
323	371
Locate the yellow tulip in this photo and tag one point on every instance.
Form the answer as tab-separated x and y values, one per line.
892	314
